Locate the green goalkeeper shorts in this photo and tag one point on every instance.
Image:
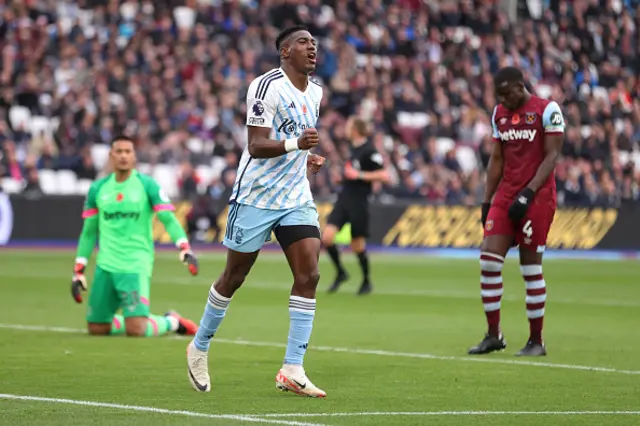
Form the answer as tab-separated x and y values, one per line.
111	291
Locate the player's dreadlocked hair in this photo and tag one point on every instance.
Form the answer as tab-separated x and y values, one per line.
284	34
508	75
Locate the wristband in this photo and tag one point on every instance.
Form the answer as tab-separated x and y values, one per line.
291	145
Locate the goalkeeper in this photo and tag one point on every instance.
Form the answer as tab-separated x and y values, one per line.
120	207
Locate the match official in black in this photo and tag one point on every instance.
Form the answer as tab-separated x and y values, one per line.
365	167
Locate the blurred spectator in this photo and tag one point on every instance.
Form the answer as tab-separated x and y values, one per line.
176	74
188	181
86	169
206	208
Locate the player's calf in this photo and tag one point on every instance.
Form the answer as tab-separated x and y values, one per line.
235	272
328	241
359	248
491	290
536	300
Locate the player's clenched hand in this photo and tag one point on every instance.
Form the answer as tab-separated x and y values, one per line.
485	213
188	258
308	139
519	207
78	282
315	162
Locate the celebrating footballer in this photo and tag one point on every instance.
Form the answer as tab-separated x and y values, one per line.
272	194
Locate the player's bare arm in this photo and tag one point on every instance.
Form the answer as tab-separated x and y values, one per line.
382	175
494	172
86	244
494	176
552	149
260	146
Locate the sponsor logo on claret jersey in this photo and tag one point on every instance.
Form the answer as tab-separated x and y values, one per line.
518	135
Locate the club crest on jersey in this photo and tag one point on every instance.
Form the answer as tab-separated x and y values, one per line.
258	108
515	119
489	225
239	236
304	108
530	118
119	197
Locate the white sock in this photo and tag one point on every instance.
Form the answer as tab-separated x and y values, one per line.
173	322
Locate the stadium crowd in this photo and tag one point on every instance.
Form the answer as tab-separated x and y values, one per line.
175	74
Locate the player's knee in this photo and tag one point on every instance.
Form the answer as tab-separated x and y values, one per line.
531	270
232	278
136	326
491	262
307	279
98	329
135	333
358	245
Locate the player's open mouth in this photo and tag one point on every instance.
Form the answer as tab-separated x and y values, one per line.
312	57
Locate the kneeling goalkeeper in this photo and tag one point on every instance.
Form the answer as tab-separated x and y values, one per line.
120	207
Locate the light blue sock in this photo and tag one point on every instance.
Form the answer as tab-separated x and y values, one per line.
301	313
213	314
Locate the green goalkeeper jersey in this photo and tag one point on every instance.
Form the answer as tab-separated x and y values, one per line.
125	213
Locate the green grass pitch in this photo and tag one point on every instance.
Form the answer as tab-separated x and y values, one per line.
397	357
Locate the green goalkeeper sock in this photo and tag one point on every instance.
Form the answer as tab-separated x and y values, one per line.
117	325
157	325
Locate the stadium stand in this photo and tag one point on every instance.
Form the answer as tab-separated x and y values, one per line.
175	74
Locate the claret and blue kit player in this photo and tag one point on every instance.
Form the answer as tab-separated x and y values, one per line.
519	204
272	194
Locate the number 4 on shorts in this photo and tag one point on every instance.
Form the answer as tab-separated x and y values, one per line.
527	229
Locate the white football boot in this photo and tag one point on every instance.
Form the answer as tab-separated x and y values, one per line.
198	368
292	378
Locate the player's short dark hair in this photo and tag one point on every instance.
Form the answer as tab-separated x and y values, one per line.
508	75
284	34
122	138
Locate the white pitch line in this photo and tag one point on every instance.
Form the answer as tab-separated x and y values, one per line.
455	413
395	291
236	417
362	351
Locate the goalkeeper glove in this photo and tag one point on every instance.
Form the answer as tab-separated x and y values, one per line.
519	207
78	283
187	257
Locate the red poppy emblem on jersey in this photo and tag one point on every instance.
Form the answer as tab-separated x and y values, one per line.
304	109
530	118
119	197
515	119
